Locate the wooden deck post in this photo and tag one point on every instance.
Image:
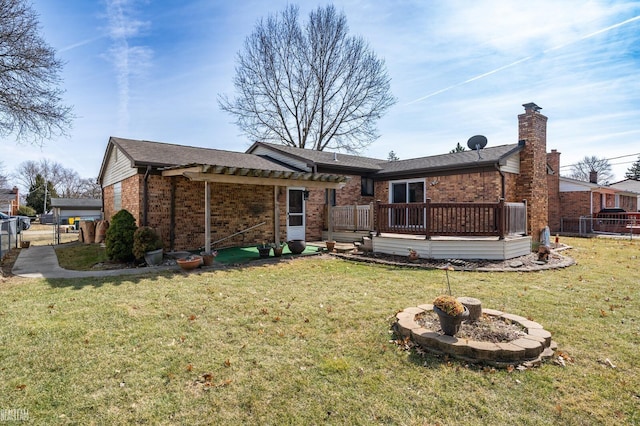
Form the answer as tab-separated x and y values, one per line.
501	211
377	219
427	219
372	215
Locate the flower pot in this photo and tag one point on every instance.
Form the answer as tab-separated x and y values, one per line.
264	251
277	251
190	262
296	246
25	244
153	257
330	245
450	325
413	257
207	259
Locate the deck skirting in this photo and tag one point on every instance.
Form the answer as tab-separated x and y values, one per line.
489	248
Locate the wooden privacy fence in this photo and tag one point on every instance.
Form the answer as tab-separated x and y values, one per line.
451	219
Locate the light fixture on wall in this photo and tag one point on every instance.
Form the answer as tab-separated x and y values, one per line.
306	195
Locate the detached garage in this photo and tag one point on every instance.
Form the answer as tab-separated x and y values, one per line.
68	211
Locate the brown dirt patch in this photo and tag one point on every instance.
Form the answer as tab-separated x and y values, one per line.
487	328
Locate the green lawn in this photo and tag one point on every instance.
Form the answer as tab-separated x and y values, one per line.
308	342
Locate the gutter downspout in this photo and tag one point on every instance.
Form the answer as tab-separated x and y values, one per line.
145	196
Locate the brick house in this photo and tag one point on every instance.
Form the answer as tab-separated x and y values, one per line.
632	186
513	172
192	195
174	188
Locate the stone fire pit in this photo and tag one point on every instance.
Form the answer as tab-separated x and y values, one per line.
530	348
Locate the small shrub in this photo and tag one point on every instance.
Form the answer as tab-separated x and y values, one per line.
449	305
119	238
145	239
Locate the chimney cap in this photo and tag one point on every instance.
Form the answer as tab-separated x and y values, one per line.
531	107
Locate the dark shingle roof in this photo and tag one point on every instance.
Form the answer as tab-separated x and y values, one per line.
159	154
325	158
77	203
166	155
452	161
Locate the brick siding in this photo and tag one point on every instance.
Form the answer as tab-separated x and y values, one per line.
531	184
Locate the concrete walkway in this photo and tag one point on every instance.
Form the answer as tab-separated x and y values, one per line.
42	262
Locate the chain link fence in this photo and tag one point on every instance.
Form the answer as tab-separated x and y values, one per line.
8	235
590	225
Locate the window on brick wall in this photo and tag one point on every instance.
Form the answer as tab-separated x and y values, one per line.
330	197
366	186
117	196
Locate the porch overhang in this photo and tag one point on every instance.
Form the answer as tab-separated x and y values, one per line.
251	176
277	177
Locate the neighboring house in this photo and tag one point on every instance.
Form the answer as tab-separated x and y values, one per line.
9	200
630	185
281	193
572	199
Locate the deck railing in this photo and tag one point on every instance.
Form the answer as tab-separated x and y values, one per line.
451	219
352	218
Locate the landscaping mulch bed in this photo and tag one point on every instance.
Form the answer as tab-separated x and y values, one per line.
486	329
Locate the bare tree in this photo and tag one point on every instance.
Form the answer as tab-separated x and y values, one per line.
66	182
30	99
3	177
309	87
589	164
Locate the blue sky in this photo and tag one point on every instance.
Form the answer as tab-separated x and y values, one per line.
150	69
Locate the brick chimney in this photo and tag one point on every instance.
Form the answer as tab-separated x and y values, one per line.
15	204
531	183
593	176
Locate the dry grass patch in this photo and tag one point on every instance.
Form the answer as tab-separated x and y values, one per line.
307	342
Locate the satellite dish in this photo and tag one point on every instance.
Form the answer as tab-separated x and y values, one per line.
477	142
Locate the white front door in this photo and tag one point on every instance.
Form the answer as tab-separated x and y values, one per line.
295	214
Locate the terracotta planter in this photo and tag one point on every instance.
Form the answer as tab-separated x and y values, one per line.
450	324
25	244
277	251
207	259
296	246
189	263
330	245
